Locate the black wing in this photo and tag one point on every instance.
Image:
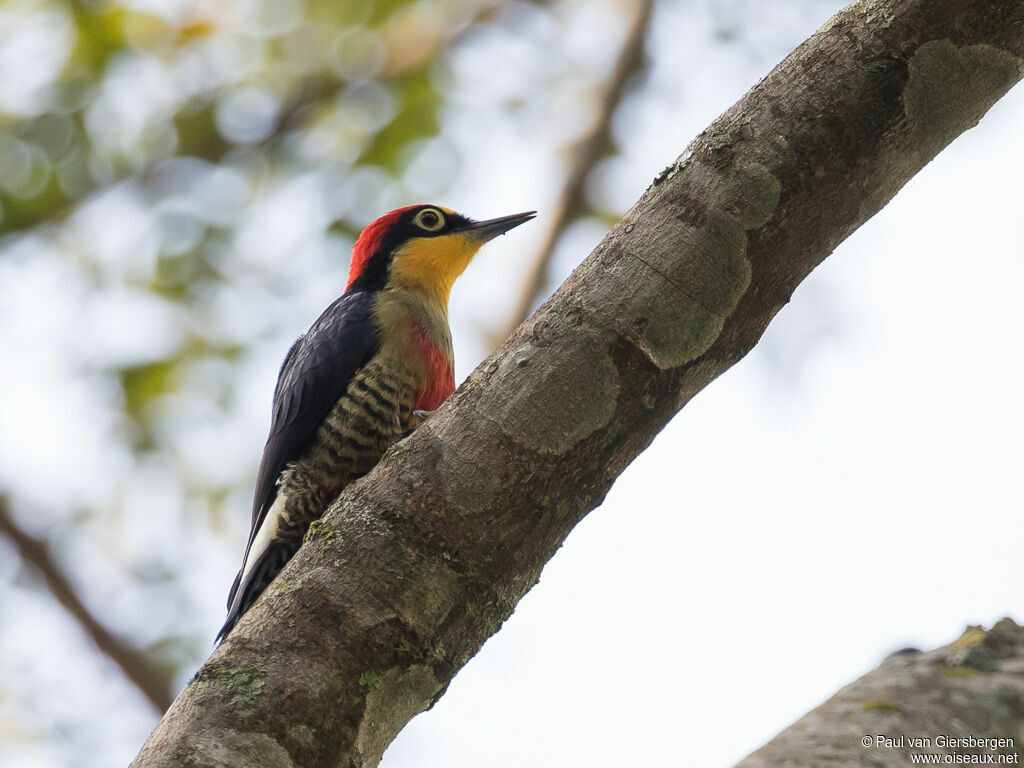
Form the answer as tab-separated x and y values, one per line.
314	376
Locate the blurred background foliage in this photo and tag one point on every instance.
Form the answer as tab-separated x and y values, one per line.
180	183
174	177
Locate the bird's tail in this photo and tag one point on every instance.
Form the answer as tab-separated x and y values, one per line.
244	593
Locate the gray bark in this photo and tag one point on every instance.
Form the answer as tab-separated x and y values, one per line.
419	563
973	688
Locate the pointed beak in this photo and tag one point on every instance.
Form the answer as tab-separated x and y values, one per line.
486	230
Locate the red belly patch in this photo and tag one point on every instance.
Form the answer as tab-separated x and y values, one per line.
440	376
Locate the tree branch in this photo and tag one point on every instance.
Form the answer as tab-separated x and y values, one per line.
586	155
132	662
971	688
416	565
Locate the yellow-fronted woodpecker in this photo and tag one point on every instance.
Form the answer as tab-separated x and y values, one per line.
361	378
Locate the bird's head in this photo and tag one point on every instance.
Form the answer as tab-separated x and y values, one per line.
422	248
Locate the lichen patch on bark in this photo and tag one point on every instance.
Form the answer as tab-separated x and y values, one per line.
319	529
393	699
675	306
950	89
473	489
424	604
750	193
228	748
877	12
238	686
561	394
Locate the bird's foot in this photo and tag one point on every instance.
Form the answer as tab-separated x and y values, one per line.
422	416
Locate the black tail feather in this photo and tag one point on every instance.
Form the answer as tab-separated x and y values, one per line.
243	595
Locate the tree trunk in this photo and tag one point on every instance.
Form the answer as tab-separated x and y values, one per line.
918	704
415	566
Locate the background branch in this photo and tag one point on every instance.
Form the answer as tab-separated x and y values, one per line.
971	688
131	661
596	144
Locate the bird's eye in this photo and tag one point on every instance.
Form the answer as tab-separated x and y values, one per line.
429	219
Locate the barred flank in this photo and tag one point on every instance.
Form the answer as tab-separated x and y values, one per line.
374	413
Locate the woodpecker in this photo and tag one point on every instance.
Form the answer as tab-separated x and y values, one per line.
372	366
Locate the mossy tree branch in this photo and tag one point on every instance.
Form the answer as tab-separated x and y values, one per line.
918	704
415	566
